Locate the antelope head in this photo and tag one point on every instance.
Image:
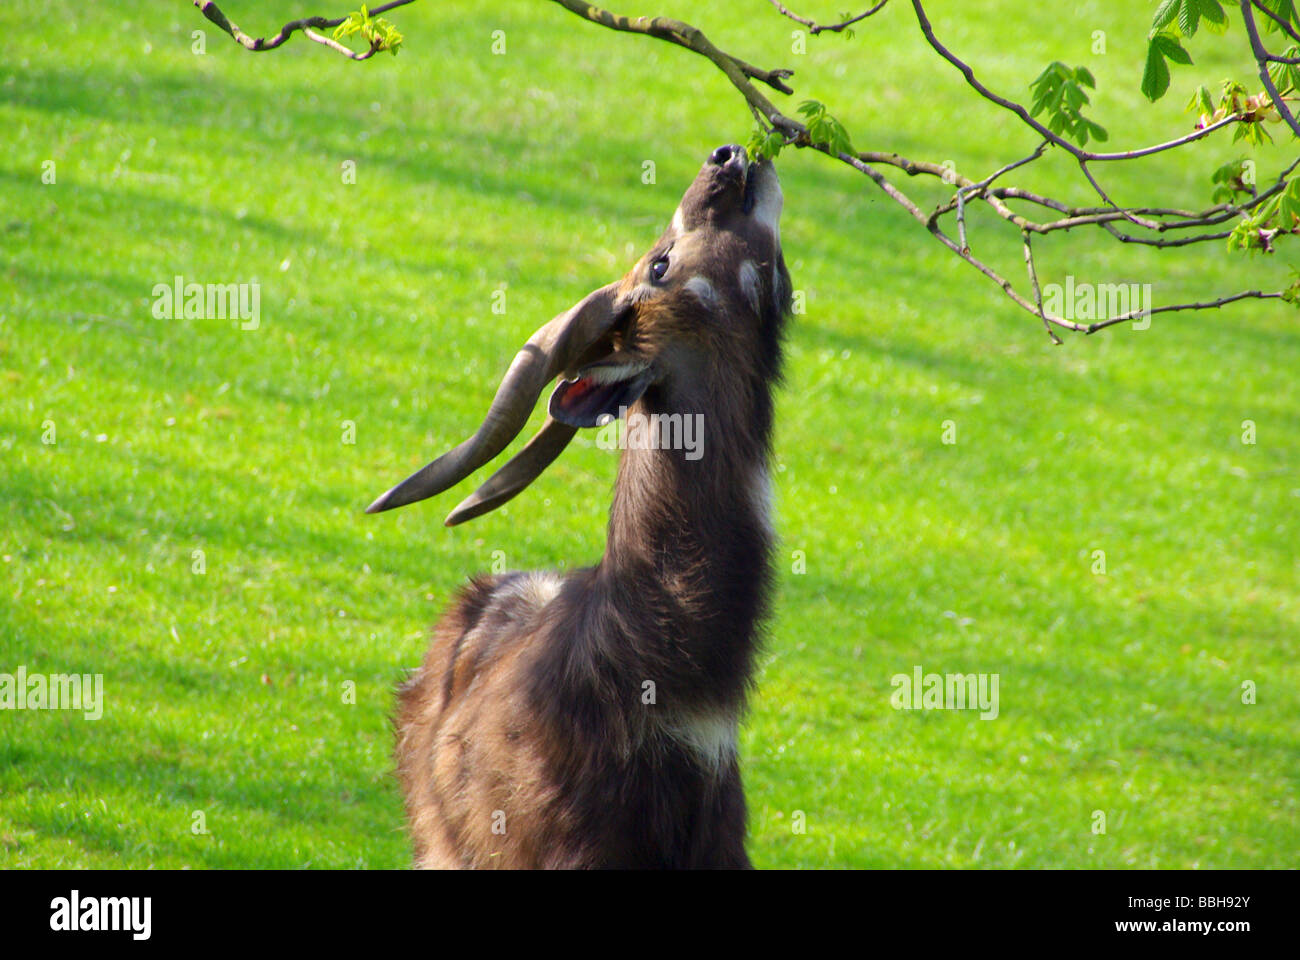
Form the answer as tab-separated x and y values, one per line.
695	321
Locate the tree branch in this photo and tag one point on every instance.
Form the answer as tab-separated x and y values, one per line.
1154	219
1280	21
743	76
259	44
1261	58
814	28
1038	293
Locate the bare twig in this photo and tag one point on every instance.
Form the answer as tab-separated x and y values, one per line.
1208	305
815	28
335	45
1038	293
685	35
961	222
1132	218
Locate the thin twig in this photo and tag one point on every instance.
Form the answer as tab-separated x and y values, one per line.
335	45
1019	109
815	28
1038	293
1281	21
260	44
1208	305
1132	218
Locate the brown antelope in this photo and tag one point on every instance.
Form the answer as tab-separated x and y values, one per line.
589	719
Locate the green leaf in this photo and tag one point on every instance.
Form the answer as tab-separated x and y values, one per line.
1171	48
1277	72
811	108
1233	88
376	31
1253	133
1155	75
1165	14
1284	9
1046	80
1231	180
1059	94
351	25
1241	236
1189	17
764	144
1216	19
823	129
1201	101
1291	294
1286	76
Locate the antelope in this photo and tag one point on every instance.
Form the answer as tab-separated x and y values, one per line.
589	720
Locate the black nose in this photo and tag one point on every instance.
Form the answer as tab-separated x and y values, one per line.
721	155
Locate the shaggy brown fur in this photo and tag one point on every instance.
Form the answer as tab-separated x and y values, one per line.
529	738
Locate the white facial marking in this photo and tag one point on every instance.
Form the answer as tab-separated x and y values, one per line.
679	221
702	289
613	372
749	284
642	291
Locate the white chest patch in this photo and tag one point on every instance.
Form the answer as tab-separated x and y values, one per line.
760	495
710	736
767	210
750	284
536	589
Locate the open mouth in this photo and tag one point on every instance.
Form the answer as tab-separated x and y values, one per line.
599	391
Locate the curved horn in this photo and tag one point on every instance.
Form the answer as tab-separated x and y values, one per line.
551	350
521	470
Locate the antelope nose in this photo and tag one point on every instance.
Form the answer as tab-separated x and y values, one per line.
722	155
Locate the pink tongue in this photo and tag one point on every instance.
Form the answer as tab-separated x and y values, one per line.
579	388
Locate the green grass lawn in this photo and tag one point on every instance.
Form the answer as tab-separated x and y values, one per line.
227	691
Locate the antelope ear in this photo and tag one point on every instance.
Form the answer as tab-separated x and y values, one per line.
599	392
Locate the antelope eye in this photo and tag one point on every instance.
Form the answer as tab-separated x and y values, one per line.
659	268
